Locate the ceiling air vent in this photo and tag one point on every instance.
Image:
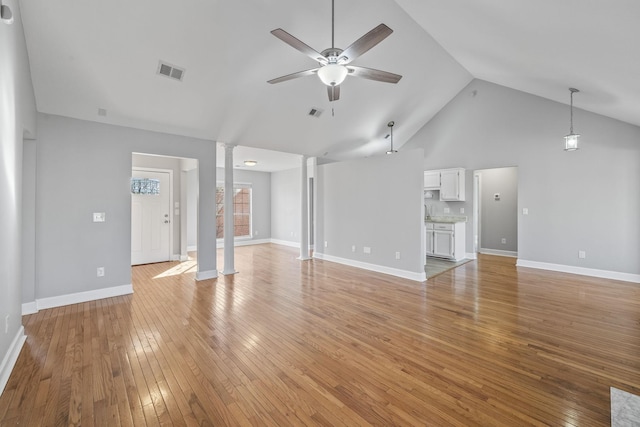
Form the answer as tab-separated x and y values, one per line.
315	112
170	71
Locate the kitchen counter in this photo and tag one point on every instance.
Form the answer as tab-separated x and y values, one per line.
446	219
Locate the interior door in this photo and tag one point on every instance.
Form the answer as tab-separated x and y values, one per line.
150	217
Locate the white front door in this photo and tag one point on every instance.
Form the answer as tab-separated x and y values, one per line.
151	218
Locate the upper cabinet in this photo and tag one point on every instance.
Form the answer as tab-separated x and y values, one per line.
450	182
432	180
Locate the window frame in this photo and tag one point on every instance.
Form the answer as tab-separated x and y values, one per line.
236	185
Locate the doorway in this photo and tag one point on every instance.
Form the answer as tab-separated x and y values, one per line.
151	225
495	205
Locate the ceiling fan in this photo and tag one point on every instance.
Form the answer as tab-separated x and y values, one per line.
333	61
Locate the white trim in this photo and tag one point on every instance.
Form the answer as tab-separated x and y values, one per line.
11	357
418	277
498	252
245	242
605	274
206	275
184	258
29	308
175	257
470	255
79	297
286	243
193	248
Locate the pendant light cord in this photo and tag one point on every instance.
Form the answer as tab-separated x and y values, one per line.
572	90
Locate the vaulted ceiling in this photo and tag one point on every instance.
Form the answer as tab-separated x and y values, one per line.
87	56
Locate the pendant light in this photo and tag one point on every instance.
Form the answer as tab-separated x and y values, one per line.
571	140
390	124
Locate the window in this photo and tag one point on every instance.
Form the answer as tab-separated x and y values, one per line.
145	186
241	210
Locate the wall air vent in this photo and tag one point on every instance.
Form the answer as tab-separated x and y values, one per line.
315	112
171	71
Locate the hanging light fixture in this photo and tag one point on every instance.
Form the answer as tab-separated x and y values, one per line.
390	124
571	140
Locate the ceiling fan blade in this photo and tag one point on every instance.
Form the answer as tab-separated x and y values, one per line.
293	76
299	45
372	74
334	93
365	43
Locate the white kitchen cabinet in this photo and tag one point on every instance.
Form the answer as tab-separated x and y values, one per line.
452	185
429	238
432	180
445	240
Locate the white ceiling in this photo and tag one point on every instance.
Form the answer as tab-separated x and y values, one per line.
90	55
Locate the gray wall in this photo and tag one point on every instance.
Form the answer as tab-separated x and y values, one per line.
572	197
192	208
17	119
29	221
499	218
374	202
285	205
85	167
260	199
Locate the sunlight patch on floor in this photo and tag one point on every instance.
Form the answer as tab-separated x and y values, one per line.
183	267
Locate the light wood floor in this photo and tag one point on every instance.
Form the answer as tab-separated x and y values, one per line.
286	342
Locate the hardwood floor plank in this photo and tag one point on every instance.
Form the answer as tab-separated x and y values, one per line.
286	342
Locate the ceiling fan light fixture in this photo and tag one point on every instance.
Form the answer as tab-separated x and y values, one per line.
333	74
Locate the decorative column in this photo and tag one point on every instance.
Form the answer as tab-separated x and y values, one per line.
228	211
304	212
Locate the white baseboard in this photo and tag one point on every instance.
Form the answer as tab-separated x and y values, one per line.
605	274
206	275
285	243
29	308
247	242
10	358
79	297
498	252
470	255
192	248
418	277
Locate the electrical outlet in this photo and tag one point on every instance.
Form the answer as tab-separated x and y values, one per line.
353	248
504	241
447	210
99	217
6	324
525	211
326	244
100	272
582	254
397	255
366	250
255	233
461	210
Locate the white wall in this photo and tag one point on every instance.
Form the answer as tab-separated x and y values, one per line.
85	167
285	206
584	200
377	203
17	119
